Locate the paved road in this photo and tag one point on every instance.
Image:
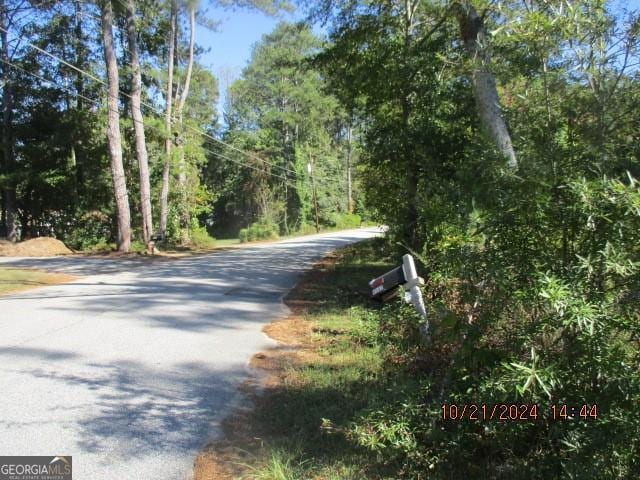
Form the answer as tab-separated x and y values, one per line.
130	368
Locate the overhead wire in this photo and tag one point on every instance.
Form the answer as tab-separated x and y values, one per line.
102	105
320	179
160	112
146	104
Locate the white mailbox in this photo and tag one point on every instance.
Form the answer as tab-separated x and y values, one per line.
385	288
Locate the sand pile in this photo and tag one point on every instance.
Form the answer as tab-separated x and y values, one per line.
36	247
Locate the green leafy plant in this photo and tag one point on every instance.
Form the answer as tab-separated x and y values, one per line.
258	231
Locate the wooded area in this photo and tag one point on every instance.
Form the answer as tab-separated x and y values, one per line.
118	84
499	140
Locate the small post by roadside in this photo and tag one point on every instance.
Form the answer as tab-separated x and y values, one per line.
413	294
151	246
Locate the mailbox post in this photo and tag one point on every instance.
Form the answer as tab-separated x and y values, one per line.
385	287
151	246
413	294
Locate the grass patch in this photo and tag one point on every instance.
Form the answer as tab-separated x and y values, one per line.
301	424
227	242
14	280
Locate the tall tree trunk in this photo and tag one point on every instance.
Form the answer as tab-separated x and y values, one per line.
113	130
187	79
473	33
182	173
286	150
80	53
9	189
164	193
138	125
411	214
349	160
314	192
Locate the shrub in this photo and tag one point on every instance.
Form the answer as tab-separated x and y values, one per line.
137	247
516	320
91	230
101	247
346	220
306	229
258	231
200	238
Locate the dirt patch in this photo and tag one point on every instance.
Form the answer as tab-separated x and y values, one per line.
290	331
226	459
35	247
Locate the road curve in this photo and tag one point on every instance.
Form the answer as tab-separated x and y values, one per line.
131	368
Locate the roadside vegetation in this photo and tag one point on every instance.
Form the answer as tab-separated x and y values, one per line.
498	141
353	393
14	280
118	145
331	362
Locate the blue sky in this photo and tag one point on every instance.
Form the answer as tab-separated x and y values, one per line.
238	31
230	46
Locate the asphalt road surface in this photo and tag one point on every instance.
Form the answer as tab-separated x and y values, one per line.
131	368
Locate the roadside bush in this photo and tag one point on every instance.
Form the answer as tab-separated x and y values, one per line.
516	320
137	247
258	231
91	231
200	238
346	220
306	229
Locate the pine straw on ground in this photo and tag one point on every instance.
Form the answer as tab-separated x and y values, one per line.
227	458
35	247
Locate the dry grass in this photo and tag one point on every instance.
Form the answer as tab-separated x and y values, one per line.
14	280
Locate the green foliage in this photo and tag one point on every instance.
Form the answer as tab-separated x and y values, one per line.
200	238
259	231
138	247
280	112
346	220
532	276
92	231
281	465
306	229
58	123
549	330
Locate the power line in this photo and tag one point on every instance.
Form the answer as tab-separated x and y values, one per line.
156	110
321	179
161	113
100	104
46	80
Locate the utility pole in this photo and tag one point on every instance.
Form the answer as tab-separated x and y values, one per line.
313	187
